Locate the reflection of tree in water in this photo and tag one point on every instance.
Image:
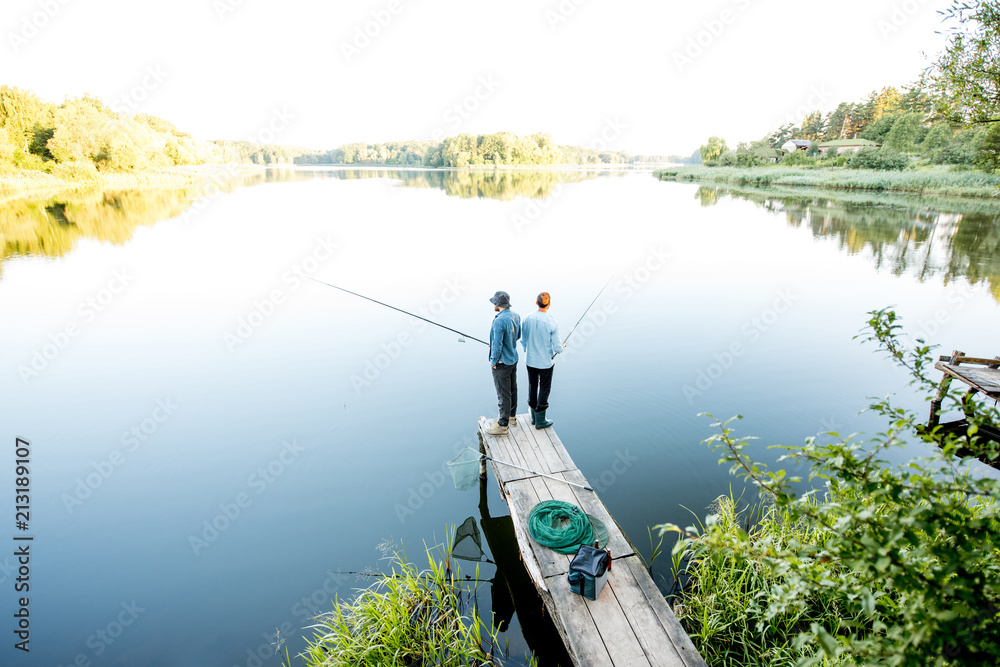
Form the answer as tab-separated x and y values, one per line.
955	238
483	184
51	225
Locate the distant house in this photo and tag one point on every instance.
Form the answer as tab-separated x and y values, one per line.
769	154
797	145
841	145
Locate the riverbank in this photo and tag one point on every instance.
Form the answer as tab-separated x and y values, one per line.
928	181
32	182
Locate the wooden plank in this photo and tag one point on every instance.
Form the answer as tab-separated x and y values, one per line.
553	458
559	448
503	448
524	541
598	623
683	645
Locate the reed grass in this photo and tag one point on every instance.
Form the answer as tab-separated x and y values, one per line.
929	180
724	609
409	617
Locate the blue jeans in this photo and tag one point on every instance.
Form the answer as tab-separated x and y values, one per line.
505	380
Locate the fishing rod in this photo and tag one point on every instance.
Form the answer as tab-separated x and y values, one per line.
464	335
566	340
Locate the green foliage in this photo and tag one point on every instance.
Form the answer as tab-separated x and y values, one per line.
906	133
932	180
725	609
409	617
964	78
988	155
878	159
878	130
939	136
713	149
798	158
891	564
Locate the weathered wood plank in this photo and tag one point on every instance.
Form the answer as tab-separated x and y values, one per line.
682	644
607	624
558	446
543	443
523	495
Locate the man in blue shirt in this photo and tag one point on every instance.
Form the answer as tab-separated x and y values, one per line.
540	339
504	333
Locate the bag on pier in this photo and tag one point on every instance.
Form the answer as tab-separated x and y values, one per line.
588	572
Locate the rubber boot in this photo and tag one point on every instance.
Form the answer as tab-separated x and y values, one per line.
533	413
540	422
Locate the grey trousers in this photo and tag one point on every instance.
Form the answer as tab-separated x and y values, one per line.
505	381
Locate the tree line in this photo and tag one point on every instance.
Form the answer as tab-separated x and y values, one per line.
467	150
949	116
83	136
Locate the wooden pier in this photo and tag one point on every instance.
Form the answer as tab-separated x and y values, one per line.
630	623
983	376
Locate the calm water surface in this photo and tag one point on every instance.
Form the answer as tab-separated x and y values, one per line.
214	438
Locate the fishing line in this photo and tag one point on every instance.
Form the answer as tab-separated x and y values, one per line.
406	312
566	340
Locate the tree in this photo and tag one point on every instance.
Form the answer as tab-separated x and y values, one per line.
715	147
878	130
937	137
988	156
886	102
965	80
813	126
906	132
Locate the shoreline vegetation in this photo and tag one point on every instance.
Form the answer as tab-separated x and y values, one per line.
930	181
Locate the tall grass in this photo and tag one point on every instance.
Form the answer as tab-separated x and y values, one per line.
940	181
725	607
409	617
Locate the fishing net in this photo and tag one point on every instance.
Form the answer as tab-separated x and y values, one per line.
468	541
464	469
563	527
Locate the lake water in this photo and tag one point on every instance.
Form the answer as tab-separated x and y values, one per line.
214	438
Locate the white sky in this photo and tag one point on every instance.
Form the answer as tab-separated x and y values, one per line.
232	68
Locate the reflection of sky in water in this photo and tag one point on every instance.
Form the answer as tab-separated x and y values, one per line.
367	447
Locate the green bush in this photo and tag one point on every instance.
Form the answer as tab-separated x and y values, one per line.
879	159
797	158
885	564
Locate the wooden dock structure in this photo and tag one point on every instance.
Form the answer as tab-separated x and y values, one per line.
630	623
983	376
